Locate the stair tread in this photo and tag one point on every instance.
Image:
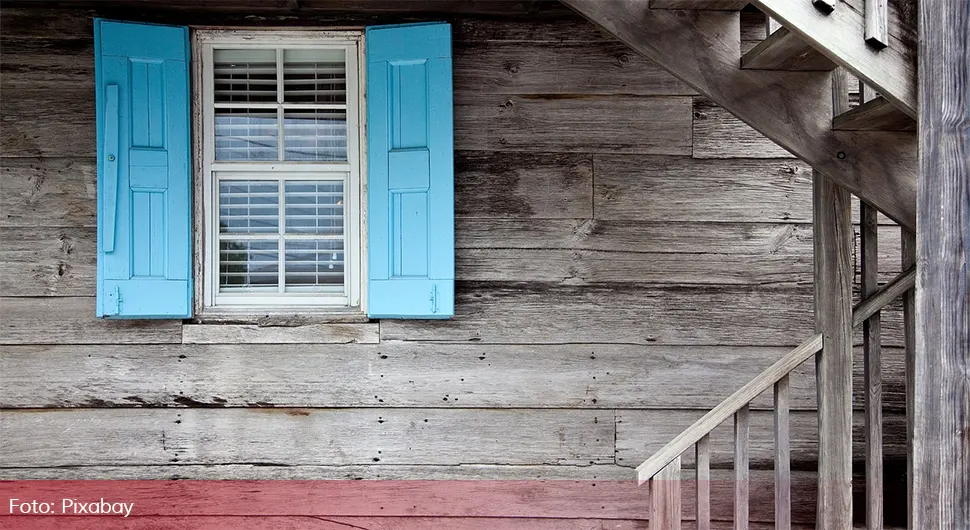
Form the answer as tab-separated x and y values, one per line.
877	114
784	50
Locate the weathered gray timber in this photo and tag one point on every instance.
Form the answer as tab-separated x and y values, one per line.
941	376
876	114
719	134
881	168
402	374
784	50
597	280
833	317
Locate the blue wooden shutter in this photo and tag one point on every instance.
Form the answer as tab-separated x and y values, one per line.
410	164
144	193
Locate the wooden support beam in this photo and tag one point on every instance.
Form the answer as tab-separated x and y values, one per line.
711	5
874	115
702	48
908	254
833	242
941	408
877	23
872	371
891	71
784	50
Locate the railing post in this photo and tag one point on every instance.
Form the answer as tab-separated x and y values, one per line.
665	498
872	353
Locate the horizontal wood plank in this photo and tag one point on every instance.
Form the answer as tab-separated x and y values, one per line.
312	436
557	314
719	134
71	320
403	374
48	261
605	68
497	184
684	189
587	124
336	333
44	123
48	192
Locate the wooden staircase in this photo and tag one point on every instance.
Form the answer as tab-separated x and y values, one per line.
793	88
783	88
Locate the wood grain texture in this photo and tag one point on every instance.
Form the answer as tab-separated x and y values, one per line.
872	383
680	188
336	333
702	476
941	375
48	192
876	114
784	50
833	316
352	436
720	134
523	185
71	320
45	123
908	258
665	498
782	462
499	67
47	261
557	314
891	71
402	374
588	124
742	432
879	167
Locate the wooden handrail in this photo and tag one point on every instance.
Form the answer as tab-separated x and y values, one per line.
881	298
743	396
728	407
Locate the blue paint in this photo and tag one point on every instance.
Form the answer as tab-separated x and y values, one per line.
411	232
144	175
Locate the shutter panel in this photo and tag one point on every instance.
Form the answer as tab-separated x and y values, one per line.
411	234
144	194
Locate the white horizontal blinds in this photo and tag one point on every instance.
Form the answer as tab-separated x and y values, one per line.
314	210
264	96
281	229
249	227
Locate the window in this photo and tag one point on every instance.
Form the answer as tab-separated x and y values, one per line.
281	166
265	182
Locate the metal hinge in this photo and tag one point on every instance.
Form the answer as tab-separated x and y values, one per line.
434	299
113	305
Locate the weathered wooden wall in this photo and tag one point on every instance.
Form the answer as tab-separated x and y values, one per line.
628	254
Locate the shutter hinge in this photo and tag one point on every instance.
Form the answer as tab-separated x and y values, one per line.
434	298
114	302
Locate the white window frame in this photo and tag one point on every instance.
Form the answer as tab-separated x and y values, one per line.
352	299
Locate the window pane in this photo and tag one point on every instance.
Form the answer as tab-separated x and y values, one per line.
245	76
315	135
247	134
315	207
249	206
314	76
313	264
249	266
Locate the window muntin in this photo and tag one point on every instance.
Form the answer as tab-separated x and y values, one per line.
281	170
